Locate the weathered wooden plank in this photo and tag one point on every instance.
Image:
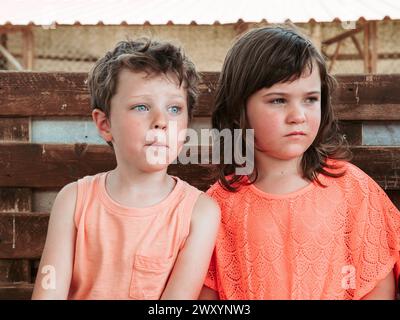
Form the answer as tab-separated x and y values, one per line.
50	166
57	165
15	270
381	163
65	94
352	131
22	235
368	97
394	195
16	291
15	200
31	229
359	97
14	129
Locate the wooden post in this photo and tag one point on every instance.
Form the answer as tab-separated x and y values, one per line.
335	55
28	50
366	48
316	35
370	47
374	46
3	42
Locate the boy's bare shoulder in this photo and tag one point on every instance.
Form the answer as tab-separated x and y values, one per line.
206	209
64	204
68	192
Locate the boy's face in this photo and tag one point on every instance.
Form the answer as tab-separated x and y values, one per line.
148	119
286	116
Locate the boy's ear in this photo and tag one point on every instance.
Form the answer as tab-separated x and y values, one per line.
103	124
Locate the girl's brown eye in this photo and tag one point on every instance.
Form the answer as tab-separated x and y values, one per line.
278	101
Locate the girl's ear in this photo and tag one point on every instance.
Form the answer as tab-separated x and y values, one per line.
103	124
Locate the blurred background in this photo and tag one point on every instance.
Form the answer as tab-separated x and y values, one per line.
357	36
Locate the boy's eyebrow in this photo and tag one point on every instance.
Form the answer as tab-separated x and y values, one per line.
277	93
150	95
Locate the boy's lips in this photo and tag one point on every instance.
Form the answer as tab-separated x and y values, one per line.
156	144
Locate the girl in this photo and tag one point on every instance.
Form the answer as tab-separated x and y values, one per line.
305	224
133	232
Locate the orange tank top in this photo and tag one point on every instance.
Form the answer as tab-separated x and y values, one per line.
336	242
123	252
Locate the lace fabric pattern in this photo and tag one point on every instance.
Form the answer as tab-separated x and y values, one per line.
336	242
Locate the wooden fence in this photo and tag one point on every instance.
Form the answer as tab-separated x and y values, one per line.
27	167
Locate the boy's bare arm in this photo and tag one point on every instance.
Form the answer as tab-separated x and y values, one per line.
384	290
55	269
188	274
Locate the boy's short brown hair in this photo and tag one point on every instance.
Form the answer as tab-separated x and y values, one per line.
140	55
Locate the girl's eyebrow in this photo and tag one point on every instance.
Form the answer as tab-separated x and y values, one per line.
287	94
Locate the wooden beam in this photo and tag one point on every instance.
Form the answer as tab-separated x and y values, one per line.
10	58
352	56
15	270
31	229
352	130
367	52
335	56
58	165
370	47
373	46
15	199
14	129
32	94
65	58
3	60
22	235
8	28
28	48
341	36
358	46
16	291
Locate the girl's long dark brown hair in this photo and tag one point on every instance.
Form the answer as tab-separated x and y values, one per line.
259	59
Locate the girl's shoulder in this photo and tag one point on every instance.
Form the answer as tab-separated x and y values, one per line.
352	175
226	198
358	185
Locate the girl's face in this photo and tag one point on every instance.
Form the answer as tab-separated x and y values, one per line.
286	116
148	114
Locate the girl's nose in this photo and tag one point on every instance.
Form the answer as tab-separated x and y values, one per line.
296	114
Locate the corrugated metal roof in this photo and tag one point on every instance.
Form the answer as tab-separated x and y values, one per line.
158	12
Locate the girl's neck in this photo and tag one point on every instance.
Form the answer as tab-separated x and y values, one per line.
278	176
273	168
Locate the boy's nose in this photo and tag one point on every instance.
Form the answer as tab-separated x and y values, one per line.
160	121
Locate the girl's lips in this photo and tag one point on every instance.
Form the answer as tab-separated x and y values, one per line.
296	133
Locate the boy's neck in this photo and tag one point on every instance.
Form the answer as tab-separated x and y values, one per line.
138	189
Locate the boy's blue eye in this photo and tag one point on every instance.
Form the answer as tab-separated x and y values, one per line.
175	109
140	107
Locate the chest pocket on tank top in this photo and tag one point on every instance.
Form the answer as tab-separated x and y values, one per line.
149	277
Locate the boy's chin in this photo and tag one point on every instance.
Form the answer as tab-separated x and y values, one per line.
154	167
